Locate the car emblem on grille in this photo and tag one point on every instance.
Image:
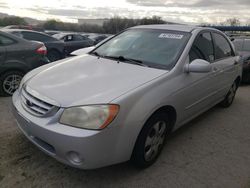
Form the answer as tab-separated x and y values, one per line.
30	104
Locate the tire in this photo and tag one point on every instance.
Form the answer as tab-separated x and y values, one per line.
9	82
54	55
150	141
230	96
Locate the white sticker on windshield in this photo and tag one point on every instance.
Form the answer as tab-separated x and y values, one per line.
170	36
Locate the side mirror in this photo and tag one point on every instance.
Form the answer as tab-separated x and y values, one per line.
198	66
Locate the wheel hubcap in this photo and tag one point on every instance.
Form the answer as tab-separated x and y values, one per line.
11	83
154	140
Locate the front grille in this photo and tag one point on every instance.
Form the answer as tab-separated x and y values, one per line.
36	106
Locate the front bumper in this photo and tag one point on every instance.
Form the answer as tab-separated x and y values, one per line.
86	149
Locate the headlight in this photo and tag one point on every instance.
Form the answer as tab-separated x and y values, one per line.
90	117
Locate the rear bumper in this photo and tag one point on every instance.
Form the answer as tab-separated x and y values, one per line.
37	62
44	61
86	149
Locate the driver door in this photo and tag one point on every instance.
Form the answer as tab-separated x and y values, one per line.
201	88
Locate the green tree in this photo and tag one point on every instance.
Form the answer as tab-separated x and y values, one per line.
12	20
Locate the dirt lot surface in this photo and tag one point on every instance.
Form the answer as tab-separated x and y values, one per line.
211	151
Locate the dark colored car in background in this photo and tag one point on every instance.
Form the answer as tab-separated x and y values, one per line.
55	47
18	27
27	27
74	41
242	46
97	38
17	57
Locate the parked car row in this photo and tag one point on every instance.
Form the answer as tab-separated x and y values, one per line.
55	48
17	57
19	53
242	45
59	44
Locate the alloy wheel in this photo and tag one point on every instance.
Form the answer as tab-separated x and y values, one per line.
11	83
154	140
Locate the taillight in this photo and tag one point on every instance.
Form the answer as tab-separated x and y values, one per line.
42	50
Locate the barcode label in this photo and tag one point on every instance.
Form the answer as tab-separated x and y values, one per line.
170	36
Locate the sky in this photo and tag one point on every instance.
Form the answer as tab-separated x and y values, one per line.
181	11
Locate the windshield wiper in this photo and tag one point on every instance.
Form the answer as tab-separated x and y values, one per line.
122	58
96	54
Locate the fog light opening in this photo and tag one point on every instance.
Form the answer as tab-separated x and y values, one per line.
74	158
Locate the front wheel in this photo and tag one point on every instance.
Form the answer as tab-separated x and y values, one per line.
230	96
151	140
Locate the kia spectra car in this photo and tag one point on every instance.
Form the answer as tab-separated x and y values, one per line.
121	100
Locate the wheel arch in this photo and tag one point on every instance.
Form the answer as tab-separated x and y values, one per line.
170	111
24	71
172	115
238	80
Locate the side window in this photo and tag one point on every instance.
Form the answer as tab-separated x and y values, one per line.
17	34
222	47
35	36
4	41
68	38
78	38
202	48
246	46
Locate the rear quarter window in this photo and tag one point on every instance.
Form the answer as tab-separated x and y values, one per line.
5	41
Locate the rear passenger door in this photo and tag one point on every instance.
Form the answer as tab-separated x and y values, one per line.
224	63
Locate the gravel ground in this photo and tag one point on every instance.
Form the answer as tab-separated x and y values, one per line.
211	151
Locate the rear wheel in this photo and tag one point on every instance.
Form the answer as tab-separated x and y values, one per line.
53	55
9	82
230	96
151	140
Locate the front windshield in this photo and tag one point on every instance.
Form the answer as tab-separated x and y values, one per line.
151	47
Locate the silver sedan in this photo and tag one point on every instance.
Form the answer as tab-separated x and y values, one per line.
121	100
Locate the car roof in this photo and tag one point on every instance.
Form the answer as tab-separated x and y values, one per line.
12	36
21	30
61	35
172	27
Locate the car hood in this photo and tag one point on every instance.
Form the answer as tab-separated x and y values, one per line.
82	51
88	79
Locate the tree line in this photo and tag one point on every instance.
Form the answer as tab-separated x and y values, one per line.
111	26
12	20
